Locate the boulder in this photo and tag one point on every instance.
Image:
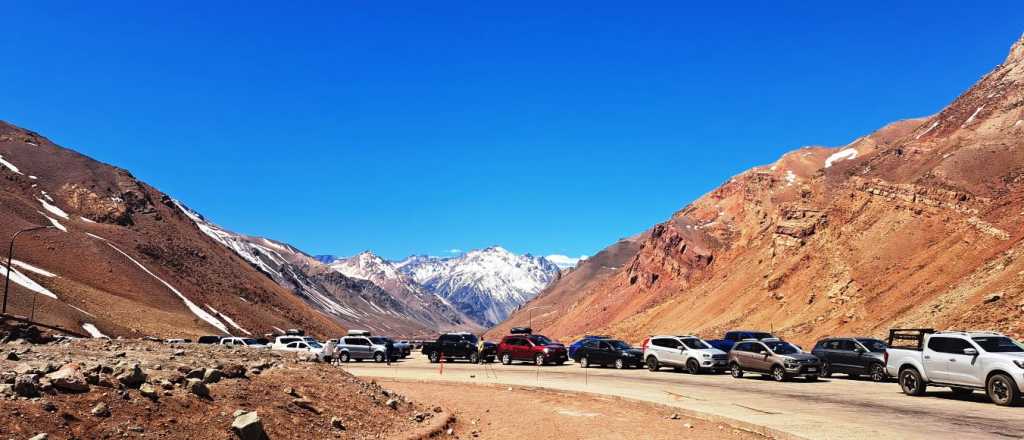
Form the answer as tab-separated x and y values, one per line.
197	387
26	385
234	371
248	427
148	391
131	375
101	410
196	373
13	356
69	378
212	376
337	423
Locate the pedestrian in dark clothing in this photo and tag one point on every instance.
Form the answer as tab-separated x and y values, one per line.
389	349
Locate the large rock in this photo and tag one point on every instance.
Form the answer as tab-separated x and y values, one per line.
197	387
26	385
196	373
101	410
248	427
148	391
130	375
69	378
212	376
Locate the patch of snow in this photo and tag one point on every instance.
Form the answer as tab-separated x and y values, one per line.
849	153
54	222
33	177
93	331
790	177
87	220
80	310
202	314
971	119
228	320
26	282
1018	122
53	209
46	196
32	268
243	299
9	165
95	236
932	127
279	330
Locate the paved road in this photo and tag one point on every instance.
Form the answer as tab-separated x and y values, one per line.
836	408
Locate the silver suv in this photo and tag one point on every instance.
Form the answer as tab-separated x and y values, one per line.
361	347
774	357
679	352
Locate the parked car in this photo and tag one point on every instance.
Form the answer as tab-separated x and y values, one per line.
962	361
531	348
209	339
605	352
453	346
732	337
679	352
359	348
242	342
404	348
579	343
852	356
774	357
178	341
281	341
302	345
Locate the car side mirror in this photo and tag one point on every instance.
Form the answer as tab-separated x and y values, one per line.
970	352
859	350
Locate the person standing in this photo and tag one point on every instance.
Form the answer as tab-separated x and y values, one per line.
389	350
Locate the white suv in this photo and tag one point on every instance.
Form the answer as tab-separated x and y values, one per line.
689	352
963	361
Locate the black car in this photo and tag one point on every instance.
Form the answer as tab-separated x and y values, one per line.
209	339
852	356
451	346
607	352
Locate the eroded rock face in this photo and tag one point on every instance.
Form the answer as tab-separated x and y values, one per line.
69	378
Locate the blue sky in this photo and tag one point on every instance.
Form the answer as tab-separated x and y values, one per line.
416	127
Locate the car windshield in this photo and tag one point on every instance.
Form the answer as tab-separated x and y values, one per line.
379	340
873	345
998	344
470	338
540	340
780	347
314	344
250	341
619	345
695	343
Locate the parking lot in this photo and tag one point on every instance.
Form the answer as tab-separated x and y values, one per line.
836	408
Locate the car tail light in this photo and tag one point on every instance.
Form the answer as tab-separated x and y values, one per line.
885	358
644	345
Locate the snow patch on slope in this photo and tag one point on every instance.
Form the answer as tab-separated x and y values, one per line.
26	282
32	268
53	209
849	153
9	165
93	331
565	261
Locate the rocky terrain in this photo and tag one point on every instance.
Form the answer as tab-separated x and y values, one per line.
122	258
94	388
917	224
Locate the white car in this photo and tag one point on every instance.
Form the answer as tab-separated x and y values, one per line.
281	342
962	361
683	352
242	342
297	346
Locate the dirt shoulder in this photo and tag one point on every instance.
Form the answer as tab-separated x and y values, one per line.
501	412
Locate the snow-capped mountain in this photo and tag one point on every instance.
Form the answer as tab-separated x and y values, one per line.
486	284
354	301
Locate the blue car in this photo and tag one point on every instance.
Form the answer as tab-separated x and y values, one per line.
576	345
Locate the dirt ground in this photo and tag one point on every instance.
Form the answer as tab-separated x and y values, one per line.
493	412
293	399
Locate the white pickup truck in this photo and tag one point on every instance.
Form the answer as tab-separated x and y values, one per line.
962	361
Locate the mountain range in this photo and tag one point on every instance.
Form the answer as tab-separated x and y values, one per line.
918	224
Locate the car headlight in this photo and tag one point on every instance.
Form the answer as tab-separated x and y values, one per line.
1019	363
791	363
547	350
707	356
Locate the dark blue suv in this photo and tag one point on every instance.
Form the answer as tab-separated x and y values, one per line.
576	345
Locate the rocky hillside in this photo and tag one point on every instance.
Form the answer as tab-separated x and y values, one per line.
121	258
354	302
485	284
917	224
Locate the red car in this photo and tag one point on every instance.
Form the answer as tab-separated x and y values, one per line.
537	349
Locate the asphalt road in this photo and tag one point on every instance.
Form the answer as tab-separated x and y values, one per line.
836	408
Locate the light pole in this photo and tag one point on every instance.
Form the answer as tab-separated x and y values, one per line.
10	258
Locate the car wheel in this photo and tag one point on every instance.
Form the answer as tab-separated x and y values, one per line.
619	364
911	382
539	360
877	372
811	378
378	357
1002	390
826	369
474	358
434	357
779	374
506	359
692	367
344	357
652	363
735	370
584	362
